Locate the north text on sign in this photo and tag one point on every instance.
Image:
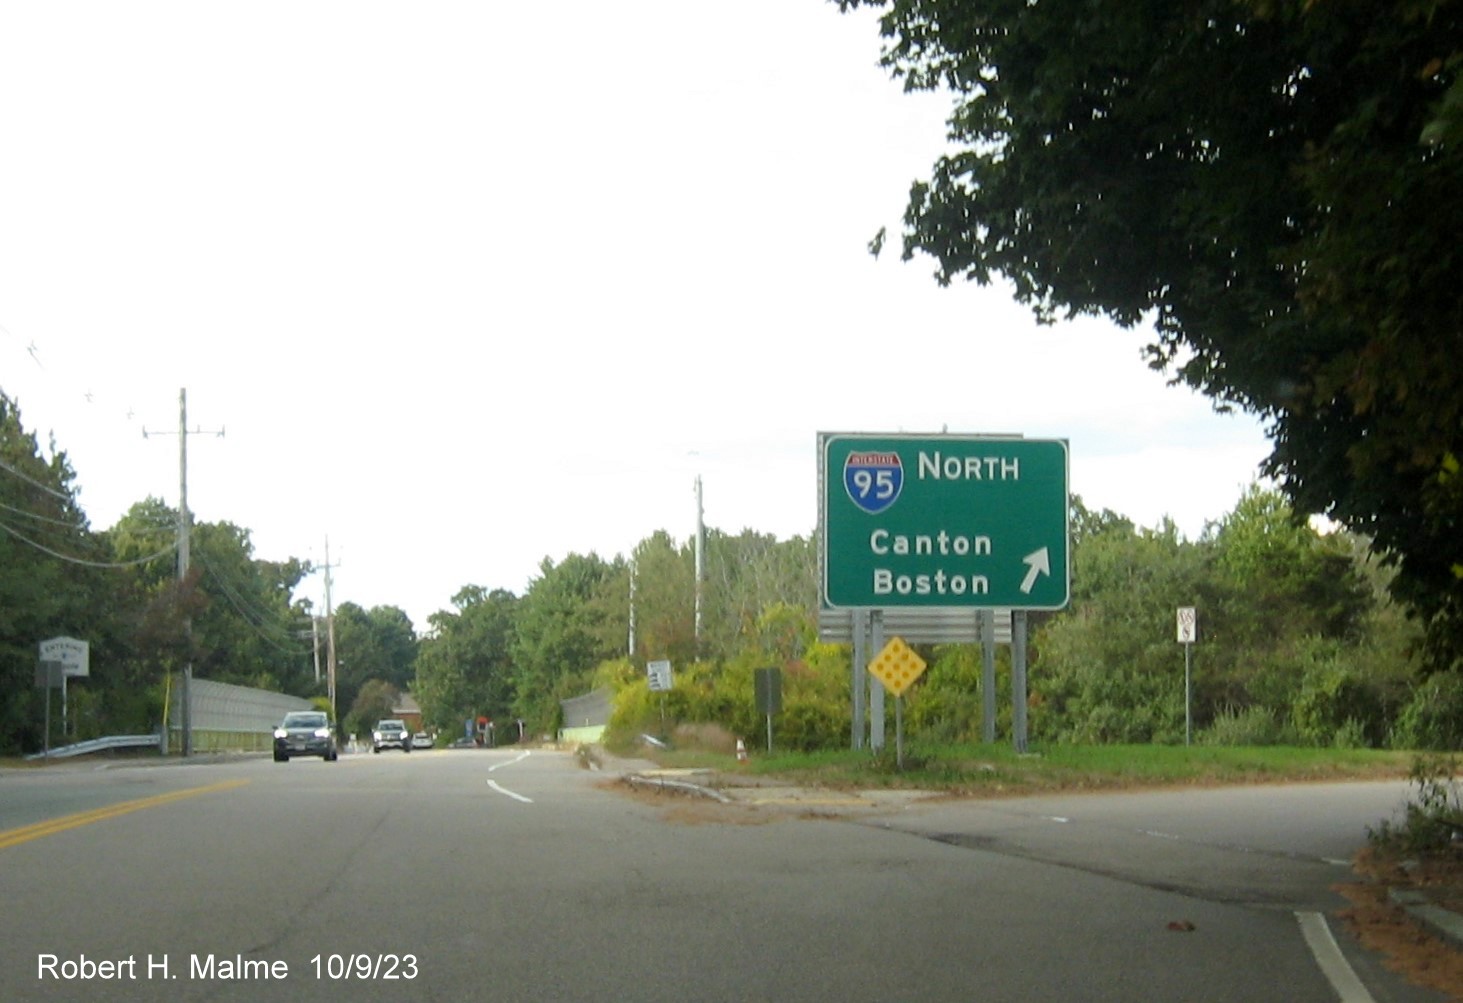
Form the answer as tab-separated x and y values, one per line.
936	466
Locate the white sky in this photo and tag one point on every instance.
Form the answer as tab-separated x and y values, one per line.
473	284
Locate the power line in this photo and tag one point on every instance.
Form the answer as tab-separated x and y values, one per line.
83	561
65	523
256	616
32	481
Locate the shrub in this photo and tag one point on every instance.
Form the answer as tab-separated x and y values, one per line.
1433	718
1239	726
1433	817
1334	696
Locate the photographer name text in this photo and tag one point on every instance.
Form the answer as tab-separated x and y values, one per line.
223	968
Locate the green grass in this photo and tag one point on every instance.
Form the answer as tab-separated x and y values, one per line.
997	770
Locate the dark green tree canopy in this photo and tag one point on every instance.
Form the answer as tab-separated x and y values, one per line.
1275	184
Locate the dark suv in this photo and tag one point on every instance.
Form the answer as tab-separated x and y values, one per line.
391	734
305	733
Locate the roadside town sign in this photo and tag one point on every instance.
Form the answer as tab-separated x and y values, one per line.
74	655
943	521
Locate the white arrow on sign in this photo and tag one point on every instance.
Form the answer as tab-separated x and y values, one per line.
1038	563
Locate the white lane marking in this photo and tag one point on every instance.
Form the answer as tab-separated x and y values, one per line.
1056	818
1161	835
520	758
1332	962
506	791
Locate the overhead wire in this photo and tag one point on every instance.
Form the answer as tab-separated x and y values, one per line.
33	482
66	523
72	559
258	618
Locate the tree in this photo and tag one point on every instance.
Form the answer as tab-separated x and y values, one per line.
375	700
562	634
248	633
1103	669
665	599
1293	580
47	573
747	575
1275	183
378	643
464	667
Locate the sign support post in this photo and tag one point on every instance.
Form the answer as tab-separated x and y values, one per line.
876	688
1188	694
768	687
899	732
1018	680
658	674
988	676
943	525
897	667
1188	633
860	632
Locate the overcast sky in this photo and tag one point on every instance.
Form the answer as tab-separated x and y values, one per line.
469	285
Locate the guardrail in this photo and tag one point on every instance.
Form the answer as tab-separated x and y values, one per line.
100	745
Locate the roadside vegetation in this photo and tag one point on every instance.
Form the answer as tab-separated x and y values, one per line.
996	770
1302	650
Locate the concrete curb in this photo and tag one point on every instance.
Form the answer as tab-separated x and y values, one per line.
663	782
1434	918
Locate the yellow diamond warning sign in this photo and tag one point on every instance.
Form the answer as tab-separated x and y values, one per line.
897	667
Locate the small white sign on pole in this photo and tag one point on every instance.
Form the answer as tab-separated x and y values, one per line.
660	676
1188	624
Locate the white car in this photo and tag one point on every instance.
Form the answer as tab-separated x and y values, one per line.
422	740
391	734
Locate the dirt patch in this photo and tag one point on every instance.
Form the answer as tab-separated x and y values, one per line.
685	807
704	738
1381	925
1438	874
1408	949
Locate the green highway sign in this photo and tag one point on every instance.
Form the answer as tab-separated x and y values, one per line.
943	520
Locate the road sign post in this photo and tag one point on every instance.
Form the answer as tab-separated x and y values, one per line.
897	667
936	529
659	679
767	684
1188	633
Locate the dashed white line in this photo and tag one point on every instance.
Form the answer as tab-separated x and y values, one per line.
1332	962
505	791
509	762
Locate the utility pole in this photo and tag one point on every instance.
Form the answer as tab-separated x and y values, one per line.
315	644
329	635
631	653
700	562
185	523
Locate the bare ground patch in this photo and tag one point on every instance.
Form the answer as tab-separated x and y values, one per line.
687	807
1383	926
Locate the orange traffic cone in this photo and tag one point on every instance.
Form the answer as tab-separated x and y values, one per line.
741	751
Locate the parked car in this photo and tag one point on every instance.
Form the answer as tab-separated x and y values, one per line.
422	740
305	733
391	733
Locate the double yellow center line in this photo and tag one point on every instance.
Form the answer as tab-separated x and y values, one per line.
26	833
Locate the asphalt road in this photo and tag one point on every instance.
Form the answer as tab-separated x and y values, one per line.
498	875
